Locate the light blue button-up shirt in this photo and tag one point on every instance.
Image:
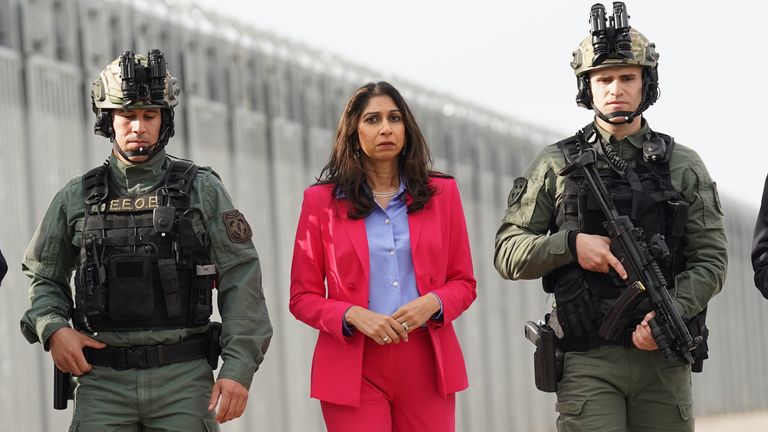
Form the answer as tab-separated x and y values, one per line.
392	279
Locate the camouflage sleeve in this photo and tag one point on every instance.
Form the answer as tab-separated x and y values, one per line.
705	242
524	247
246	328
49	261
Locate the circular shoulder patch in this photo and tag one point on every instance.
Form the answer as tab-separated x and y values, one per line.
237	227
517	192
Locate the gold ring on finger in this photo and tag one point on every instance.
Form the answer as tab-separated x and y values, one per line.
385	338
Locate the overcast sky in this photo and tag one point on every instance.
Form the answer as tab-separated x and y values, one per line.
513	57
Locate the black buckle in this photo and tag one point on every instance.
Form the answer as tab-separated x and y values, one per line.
141	357
135	357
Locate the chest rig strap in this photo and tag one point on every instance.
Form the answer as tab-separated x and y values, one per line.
179	178
567	216
96	185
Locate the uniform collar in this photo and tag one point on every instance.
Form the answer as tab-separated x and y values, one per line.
138	178
637	139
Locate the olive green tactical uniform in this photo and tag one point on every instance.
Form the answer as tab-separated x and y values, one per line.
612	388
172	397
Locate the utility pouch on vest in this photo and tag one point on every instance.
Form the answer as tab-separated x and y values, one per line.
90	283
130	287
678	216
547	359
201	306
577	309
169	279
214	344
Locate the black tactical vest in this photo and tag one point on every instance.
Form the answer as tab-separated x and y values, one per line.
648	198
142	266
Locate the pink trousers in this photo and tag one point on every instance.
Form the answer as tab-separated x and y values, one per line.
399	392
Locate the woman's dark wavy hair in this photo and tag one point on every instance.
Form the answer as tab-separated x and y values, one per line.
346	171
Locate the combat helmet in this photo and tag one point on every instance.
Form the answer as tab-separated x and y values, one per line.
134	81
615	43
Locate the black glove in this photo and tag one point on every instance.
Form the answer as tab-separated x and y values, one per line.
761	280
3	267
577	311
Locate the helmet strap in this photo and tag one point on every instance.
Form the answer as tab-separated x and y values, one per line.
127	155
626	116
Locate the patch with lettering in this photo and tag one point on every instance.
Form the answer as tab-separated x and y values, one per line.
237	227
130	204
517	192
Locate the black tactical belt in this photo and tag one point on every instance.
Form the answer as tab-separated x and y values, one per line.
625	339
573	344
149	356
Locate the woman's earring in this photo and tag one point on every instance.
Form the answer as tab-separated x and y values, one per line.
404	152
357	153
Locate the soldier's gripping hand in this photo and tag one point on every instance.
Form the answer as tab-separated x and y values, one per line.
594	254
67	350
642	337
231	396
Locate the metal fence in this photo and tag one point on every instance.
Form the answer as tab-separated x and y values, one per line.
262	110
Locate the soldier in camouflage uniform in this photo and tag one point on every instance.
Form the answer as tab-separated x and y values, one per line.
149	237
552	229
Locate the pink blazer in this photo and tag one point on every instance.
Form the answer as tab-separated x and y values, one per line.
332	249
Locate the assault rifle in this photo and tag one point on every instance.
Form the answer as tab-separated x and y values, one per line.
644	276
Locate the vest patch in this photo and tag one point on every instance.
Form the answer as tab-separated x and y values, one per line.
237	227
131	204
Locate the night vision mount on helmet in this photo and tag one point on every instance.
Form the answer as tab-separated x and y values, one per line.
130	82
612	42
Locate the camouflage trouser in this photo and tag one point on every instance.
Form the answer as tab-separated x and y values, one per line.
615	389
168	398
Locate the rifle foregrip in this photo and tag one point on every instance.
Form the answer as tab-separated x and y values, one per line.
662	339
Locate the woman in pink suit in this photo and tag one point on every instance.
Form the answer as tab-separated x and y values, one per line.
382	267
